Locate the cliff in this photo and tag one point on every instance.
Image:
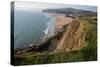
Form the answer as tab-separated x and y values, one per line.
72	37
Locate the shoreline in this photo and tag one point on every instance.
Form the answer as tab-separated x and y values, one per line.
50	30
61	20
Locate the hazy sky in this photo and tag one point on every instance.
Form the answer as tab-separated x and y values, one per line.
40	6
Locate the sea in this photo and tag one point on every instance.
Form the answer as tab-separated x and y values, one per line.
32	28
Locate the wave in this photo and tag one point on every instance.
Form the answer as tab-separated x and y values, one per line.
50	30
46	30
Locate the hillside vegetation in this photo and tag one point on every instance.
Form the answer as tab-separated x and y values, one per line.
76	42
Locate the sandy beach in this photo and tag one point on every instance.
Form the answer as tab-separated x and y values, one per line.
61	20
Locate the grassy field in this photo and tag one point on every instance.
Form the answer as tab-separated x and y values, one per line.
88	53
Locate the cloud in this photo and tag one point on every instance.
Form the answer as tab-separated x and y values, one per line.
39	6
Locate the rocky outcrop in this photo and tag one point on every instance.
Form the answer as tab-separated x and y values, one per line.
71	38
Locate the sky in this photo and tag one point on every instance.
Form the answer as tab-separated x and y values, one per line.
19	5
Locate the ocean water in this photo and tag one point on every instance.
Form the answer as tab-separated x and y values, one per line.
31	28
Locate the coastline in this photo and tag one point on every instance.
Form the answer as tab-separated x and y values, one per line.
61	20
55	24
50	30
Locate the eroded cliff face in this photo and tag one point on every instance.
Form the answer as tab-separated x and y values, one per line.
72	38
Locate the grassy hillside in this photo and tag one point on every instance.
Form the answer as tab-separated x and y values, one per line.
88	25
